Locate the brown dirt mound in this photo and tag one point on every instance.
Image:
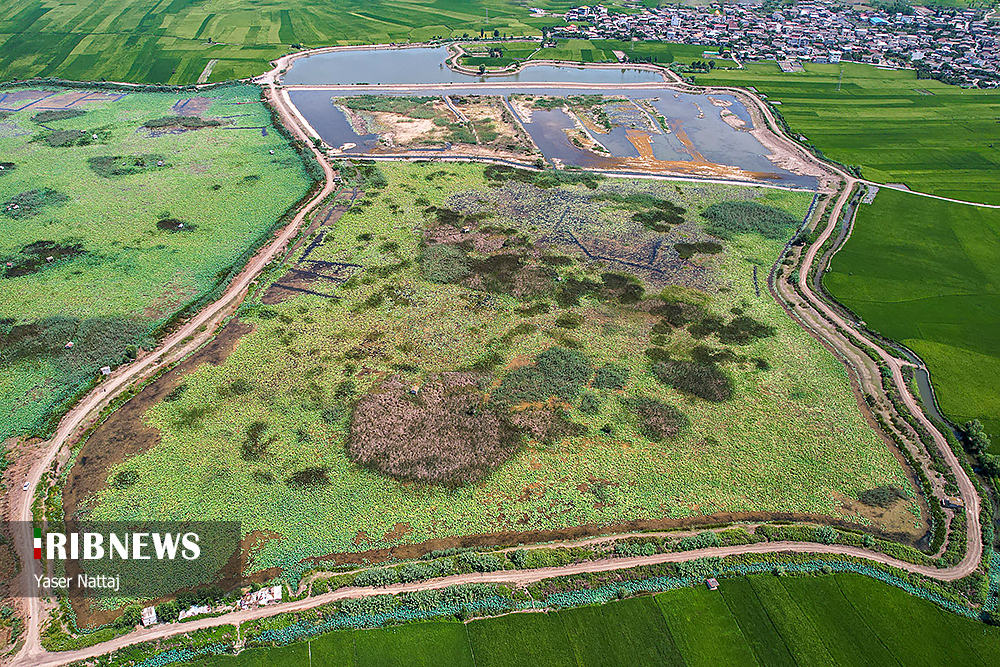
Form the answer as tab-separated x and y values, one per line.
441	434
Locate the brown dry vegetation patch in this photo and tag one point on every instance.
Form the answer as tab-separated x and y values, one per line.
124	434
441	434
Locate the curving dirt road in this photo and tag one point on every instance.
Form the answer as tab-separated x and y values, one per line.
818	318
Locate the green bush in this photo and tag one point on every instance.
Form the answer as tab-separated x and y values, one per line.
610	376
558	371
444	263
590	404
706	381
725	219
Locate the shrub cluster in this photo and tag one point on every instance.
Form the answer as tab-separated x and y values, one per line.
185	122
30	203
549	178
658	421
689	250
444	263
443	434
706	381
110	166
54	115
610	376
35	256
882	496
557	372
728	218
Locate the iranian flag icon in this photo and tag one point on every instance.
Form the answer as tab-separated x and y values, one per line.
38	544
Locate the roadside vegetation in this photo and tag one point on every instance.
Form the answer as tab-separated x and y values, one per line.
107	237
509	352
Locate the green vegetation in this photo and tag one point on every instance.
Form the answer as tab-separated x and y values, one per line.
92	267
899	129
587	51
842	620
925	272
344	385
115	40
743	217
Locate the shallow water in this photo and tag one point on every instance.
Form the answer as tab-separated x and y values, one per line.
696	134
426	65
709	136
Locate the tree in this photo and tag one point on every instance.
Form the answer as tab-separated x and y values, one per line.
976	438
482	70
496	34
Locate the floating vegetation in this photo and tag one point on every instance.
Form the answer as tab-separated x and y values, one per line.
110	166
32	203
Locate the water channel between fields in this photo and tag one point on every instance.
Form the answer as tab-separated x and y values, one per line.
652	129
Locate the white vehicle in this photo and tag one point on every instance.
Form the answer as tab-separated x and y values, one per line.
24	487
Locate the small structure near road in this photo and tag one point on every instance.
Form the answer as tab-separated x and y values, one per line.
261	598
148	616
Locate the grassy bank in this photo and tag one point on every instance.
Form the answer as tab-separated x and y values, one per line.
118	211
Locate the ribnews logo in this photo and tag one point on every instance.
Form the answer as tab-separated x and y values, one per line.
130	545
146	559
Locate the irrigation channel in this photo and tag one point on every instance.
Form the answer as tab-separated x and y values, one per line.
800	300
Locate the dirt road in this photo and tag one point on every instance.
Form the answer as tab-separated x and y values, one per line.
515	577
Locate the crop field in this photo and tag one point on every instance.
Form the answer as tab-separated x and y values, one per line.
925	273
587	51
152	42
838	620
931	136
511	354
118	210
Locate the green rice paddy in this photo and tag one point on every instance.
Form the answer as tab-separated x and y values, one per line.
108	229
840	620
147	41
926	273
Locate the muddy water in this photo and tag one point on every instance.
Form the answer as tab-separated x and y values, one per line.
697	140
426	65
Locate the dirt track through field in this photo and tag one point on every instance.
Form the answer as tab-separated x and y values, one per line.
818	318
